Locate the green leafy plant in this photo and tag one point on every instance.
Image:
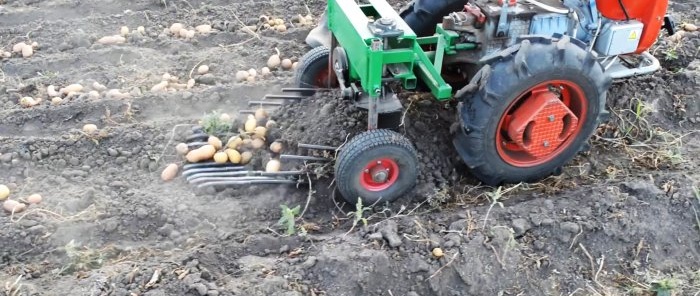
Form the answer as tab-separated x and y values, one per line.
664	287
288	219
214	125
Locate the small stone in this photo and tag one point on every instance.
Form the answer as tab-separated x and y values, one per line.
200	288
520	226
112	152
390	233
208	79
310	262
569	227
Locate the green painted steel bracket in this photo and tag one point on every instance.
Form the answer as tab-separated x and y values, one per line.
371	56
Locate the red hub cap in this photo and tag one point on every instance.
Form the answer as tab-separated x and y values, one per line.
325	78
541	123
379	174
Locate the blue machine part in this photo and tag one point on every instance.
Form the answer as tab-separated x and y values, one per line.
587	13
549	24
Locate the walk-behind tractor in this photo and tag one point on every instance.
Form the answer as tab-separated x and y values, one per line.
530	78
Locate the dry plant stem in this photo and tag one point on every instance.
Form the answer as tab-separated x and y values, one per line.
308	198
443	267
248	31
195	67
172	136
573	241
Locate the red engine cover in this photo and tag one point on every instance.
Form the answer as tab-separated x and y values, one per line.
651	13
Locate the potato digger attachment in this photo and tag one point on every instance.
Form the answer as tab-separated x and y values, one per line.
529	79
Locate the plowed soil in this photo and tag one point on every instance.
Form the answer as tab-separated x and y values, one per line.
621	219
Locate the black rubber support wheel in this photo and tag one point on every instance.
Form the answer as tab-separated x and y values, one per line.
507	77
376	166
312	70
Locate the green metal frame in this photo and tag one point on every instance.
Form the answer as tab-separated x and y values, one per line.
369	55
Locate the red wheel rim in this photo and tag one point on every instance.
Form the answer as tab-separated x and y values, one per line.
379	174
541	123
323	78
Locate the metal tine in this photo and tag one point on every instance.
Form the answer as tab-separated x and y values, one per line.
243	178
248	182
302	157
210	164
196	137
264	103
194	144
188	172
302	90
285	97
316	147
194	177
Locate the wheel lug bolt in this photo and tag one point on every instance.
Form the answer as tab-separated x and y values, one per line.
379	162
546	143
366	171
551	118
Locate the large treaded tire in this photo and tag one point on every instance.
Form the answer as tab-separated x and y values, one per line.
370	146
501	81
312	69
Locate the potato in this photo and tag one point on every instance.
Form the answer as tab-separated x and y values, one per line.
17	48
169	172
190	83
189	34
89	128
109	40
281	28
93	95
233	156
5	54
250	79
116	94
56	101
279	21
261	113
234	142
34	199
286	64
225	117
202	153
183	33
72	94
203	29
295	65
220	157
203	69
167	77
689	27
4	192
264	19
214	141
51	91
124	31
72	88
27	51
274	61
182	149
98	86
246	157
258	143
250	124
271	124
161	86
28	102
272	166
260	132
437	252
247	143
141	30
276	147
242	75
13	206
252	72
175	28
35	45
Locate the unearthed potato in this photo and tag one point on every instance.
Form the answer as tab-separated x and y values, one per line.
141	30
98	86
28	102
250	124
183	33
246	157
34	199
286	64
225	117
233	156
17	48
182	149
276	147
202	153
264	71
13	206
51	91
27	51
281	28
260	132
169	172
258	143
264	19
437	252
203	69
190	83
71	88
124	31
271	124
4	192
273	166
234	142
93	95
250	79
214	141
220	157
189	34
261	113
175	28
89	128
35	44
279	21
56	101
108	40
252	72
247	143
689	27
274	61
295	65
203	29
242	75
159	87
116	94
167	77
5	54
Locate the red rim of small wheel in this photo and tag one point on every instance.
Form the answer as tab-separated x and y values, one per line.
324	77
570	95
379	174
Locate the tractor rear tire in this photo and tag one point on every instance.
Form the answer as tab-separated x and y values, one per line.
312	70
491	110
376	166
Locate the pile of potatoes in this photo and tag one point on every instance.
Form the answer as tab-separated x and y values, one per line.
273	63
181	31
14	206
237	149
172	83
22	49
